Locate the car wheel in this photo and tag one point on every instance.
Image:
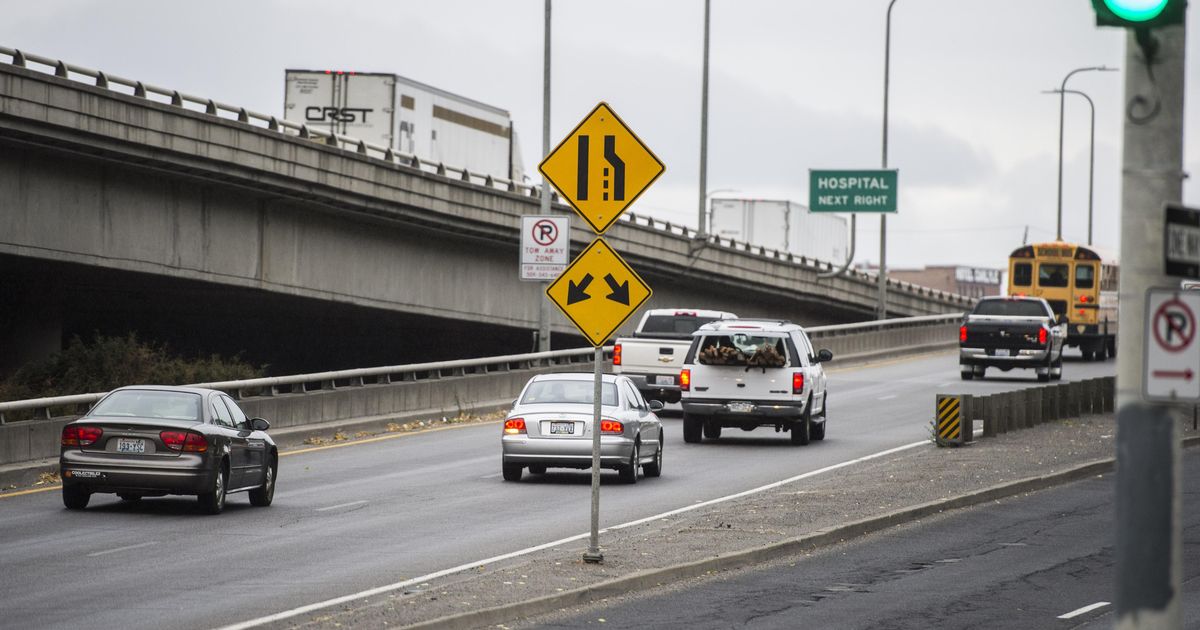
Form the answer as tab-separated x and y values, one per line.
537	469
512	472
629	472
1111	344
1043	378
654	469
1088	355
692	428
1101	351
264	494
125	496
75	497
802	428
674	397
213	501
712	430
966	376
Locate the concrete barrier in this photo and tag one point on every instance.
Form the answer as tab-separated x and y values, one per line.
445	388
1025	408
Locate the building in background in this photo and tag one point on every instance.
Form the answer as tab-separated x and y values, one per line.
407	116
959	279
781	225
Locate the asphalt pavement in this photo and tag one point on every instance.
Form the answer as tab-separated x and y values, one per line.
390	520
1040	560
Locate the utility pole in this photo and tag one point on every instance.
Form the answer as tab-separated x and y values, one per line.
1149	546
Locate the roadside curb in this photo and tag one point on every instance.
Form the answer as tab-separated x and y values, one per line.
657	577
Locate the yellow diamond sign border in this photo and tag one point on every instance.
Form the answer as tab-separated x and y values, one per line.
573	311
600	226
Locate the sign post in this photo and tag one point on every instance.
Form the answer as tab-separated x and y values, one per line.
600	168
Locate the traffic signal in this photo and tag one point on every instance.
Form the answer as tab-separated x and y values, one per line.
1139	14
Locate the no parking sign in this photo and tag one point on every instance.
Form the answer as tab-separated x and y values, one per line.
1172	361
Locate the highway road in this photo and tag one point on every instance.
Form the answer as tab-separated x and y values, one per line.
351	517
1043	560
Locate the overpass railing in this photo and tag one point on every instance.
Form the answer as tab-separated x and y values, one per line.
43	408
225	111
846	340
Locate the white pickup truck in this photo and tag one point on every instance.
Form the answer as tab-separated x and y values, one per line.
653	356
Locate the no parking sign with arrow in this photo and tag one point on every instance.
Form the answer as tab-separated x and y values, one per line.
1172	362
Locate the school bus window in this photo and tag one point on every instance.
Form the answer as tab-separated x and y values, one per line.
1085	276
1052	275
1022	274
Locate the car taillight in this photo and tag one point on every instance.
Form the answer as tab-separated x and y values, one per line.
962	334
513	426
611	426
78	435
685	380
184	441
1042	335
617	354
797	382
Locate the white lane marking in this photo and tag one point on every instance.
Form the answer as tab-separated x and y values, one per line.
126	548
340	505
1085	609
887	397
379	590
491	476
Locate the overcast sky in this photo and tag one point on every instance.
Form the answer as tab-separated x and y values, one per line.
794	85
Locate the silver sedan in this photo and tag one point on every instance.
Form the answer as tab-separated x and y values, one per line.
551	424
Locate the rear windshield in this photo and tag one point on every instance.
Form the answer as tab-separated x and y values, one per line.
1052	275
681	326
742	349
146	403
570	392
1010	308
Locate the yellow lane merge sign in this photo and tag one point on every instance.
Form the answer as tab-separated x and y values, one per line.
598	292
601	167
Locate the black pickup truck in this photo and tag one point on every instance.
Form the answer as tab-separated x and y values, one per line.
1011	332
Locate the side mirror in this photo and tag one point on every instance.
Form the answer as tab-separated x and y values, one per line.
258	424
824	355
656	405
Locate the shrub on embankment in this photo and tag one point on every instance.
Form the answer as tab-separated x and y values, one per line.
105	363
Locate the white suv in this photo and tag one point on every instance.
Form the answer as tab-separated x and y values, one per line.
749	373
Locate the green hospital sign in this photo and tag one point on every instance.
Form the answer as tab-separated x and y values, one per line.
852	191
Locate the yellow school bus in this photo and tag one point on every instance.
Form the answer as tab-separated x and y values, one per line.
1081	286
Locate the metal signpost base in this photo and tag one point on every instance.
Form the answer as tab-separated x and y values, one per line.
593	554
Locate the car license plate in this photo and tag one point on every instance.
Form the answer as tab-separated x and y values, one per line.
664	380
1002	352
741	407
562	428
126	445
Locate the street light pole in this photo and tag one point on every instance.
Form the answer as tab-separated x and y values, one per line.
1091	156
1062	107
887	64
701	228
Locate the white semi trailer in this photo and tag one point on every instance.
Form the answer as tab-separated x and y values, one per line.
408	116
781	225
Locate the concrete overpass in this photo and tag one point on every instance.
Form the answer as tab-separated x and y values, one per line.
121	187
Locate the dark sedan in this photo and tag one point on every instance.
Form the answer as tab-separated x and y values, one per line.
145	441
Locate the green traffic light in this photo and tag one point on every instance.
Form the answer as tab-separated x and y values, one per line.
1136	10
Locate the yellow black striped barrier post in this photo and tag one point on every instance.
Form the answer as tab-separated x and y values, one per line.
948	422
